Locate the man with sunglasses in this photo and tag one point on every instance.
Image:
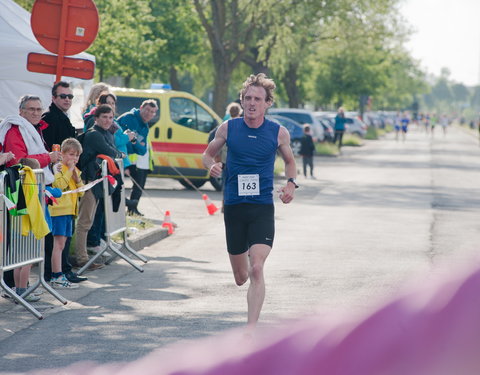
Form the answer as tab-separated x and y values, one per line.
59	125
59	128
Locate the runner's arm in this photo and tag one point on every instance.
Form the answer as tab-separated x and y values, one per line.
213	149
287	192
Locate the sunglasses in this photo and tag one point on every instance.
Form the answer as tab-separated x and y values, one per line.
65	96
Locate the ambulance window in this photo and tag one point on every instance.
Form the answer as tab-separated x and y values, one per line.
126	103
205	121
182	112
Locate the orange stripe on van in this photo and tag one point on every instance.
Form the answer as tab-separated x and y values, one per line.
199	163
187	148
182	163
163	161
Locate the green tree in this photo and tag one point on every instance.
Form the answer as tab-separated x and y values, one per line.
26	4
122	47
290	34
460	93
229	28
175	23
441	91
405	81
359	62
475	101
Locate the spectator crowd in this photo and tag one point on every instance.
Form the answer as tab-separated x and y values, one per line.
37	138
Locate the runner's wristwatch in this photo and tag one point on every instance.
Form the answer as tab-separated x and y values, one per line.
292	180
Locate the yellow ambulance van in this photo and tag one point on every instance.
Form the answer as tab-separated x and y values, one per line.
178	134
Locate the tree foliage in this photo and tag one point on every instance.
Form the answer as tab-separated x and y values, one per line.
320	53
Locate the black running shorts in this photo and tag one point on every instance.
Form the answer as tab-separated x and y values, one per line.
248	224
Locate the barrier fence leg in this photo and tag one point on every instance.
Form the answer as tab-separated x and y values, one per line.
47	286
118	252
131	250
20	300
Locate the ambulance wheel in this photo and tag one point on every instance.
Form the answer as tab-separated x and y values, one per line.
217	183
196	183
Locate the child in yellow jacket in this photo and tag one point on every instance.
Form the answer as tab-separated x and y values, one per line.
67	177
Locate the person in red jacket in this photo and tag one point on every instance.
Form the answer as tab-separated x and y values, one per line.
22	135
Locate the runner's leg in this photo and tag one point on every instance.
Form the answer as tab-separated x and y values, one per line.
256	290
239	267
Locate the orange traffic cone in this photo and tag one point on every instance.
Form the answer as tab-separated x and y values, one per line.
210	206
167	222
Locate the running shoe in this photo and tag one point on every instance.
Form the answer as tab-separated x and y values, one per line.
62	282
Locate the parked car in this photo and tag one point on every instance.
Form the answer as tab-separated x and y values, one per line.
178	134
328	126
302	116
293	127
353	124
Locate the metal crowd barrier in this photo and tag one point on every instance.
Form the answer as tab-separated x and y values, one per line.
18	251
115	222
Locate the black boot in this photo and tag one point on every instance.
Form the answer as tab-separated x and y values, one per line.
132	207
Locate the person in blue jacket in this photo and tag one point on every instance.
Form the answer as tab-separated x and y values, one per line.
339	127
137	120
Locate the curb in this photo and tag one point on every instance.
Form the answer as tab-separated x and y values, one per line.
147	237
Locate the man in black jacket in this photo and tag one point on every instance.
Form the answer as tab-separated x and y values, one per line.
59	125
59	128
96	141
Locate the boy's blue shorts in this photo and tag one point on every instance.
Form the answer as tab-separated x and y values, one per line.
62	225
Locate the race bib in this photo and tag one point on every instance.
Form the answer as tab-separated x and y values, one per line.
248	184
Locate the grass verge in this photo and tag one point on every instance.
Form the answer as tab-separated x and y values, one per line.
351	140
326	149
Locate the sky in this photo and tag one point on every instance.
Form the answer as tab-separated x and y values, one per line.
446	34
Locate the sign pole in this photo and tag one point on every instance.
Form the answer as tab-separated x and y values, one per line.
61	40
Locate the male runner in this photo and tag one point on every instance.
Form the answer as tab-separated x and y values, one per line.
252	144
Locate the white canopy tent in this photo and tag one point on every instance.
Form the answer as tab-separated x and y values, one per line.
16	42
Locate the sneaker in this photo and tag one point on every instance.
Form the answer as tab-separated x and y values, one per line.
74	278
37	292
6	295
61	282
31	298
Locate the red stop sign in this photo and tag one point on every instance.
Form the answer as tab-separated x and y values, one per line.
65	27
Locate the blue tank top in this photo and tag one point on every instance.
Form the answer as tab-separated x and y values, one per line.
251	156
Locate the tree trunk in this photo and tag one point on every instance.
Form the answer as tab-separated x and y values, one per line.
253	62
291	87
127	79
223	74
100	69
220	91
174	82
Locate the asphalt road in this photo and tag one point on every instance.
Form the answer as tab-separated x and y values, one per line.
376	218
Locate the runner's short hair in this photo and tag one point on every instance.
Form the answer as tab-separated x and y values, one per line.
259	80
